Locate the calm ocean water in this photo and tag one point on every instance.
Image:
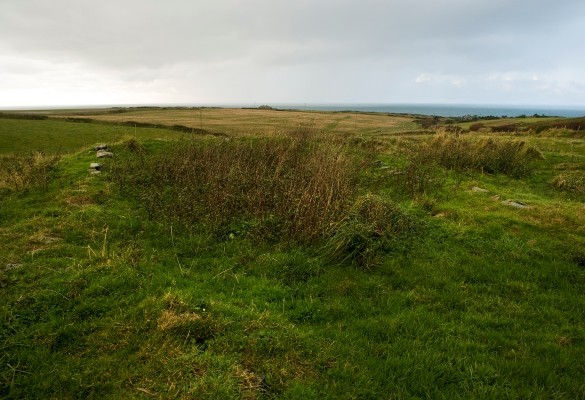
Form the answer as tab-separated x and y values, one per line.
445	110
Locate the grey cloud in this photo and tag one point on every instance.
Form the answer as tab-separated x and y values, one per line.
374	49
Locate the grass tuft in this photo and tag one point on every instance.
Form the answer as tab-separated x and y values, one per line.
492	156
20	172
368	231
571	182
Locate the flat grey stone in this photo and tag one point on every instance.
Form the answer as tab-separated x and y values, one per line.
103	154
49	239
477	189
95	165
515	204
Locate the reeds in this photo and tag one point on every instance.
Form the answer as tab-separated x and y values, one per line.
294	187
509	157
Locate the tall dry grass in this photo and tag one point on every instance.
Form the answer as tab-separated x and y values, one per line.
20	172
494	156
295	187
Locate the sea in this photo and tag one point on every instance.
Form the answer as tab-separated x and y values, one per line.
445	110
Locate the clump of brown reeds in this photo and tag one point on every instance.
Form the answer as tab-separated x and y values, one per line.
493	156
293	187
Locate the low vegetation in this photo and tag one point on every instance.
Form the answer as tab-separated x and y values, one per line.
22	172
309	262
294	187
492	156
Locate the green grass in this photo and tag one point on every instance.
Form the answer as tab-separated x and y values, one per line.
469	299
53	136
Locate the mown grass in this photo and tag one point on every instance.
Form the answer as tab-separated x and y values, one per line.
448	294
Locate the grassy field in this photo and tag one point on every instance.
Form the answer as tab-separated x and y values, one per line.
252	122
54	136
182	270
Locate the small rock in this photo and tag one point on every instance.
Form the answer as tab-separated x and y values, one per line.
95	166
103	153
496	197
516	204
102	146
49	239
479	190
94	171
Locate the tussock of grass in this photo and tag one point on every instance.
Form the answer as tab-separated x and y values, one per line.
19	172
570	181
293	187
493	156
368	230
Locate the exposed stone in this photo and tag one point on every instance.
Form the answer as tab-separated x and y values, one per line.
94	171
49	239
477	189
103	154
102	146
516	204
10	266
95	166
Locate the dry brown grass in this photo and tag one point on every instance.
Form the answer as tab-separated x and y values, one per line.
169	320
19	172
255	122
294	187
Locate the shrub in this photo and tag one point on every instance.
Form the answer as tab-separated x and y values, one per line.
476	127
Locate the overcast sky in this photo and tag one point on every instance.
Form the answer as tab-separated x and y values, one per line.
74	52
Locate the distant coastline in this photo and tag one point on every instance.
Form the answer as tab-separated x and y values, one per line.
443	110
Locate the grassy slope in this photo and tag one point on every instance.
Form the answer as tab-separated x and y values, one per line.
50	136
99	302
